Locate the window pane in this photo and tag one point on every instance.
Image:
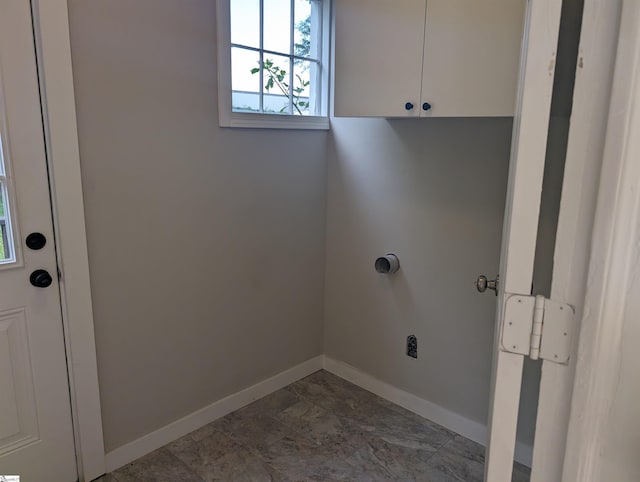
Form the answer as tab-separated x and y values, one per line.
302	32
245	84
5	238
245	22
267	35
277	25
1	159
304	88
276	81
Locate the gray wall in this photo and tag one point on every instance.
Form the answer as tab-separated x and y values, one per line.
432	191
206	245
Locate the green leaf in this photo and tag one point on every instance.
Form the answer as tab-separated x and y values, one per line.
255	70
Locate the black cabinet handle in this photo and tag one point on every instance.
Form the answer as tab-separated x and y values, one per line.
408	106
426	106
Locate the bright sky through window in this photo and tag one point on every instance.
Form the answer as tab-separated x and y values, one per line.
245	30
268	39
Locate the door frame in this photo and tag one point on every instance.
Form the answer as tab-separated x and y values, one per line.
613	259
591	97
519	236
595	254
53	52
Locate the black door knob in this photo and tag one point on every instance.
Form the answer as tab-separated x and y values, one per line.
40	278
408	106
426	106
36	241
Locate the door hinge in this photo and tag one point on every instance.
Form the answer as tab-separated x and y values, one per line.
537	327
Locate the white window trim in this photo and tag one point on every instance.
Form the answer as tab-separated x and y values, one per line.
228	118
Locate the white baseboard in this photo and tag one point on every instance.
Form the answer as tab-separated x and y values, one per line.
457	423
154	440
450	420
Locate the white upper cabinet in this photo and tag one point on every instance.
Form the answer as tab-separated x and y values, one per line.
427	58
378	57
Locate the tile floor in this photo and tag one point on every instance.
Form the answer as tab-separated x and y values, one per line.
318	429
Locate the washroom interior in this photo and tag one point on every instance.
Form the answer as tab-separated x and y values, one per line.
221	257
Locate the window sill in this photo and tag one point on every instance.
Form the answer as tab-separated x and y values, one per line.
274	121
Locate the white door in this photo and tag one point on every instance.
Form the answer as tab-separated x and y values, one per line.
526	171
36	435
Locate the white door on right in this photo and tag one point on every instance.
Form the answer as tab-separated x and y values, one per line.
529	142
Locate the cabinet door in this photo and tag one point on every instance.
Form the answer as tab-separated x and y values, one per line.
472	57
378	57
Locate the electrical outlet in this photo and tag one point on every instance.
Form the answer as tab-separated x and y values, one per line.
412	346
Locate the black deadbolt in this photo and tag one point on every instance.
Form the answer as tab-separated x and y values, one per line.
40	279
36	241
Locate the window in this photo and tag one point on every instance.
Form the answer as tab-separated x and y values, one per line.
273	63
6	237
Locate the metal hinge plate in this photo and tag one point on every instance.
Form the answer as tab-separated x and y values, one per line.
537	327
518	322
557	331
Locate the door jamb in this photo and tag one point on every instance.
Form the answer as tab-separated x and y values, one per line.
51	29
593	81
614	258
